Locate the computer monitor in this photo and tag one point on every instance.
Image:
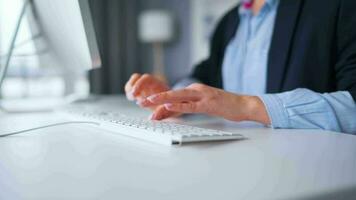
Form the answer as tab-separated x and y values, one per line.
66	27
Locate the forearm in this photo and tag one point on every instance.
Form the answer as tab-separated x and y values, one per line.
298	109
305	109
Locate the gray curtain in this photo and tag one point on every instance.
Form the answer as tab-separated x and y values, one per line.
115	24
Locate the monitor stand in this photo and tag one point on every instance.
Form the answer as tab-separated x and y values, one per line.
31	105
40	105
3	70
4	105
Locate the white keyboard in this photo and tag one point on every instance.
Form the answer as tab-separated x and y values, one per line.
166	133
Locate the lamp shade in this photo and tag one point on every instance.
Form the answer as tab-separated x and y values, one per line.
156	26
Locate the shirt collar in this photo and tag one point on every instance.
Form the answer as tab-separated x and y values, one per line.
245	10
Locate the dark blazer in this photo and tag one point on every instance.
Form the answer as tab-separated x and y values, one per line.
313	46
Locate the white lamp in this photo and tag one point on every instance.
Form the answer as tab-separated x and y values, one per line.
156	27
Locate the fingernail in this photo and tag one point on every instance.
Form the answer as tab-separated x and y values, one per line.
151	117
168	105
152	98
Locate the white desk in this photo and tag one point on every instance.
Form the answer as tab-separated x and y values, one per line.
82	162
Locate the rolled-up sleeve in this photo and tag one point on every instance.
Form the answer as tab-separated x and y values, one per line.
305	109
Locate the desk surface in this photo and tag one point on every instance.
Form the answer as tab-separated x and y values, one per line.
83	162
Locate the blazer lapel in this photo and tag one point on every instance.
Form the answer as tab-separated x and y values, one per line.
285	27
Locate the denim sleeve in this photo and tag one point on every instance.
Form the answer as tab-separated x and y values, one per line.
305	109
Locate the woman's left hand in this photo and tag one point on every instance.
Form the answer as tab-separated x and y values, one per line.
199	98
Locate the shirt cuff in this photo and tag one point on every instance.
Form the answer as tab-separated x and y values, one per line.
276	111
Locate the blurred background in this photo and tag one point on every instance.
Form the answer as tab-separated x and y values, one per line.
166	37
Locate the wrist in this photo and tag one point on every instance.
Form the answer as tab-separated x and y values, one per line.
256	110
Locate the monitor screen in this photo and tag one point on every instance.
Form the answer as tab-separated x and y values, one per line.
67	29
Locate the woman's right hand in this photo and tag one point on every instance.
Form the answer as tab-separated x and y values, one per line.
139	87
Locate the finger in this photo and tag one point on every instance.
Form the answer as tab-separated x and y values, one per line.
144	103
174	96
189	107
140	85
129	85
131	82
162	113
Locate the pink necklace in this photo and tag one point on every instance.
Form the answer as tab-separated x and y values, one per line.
247	4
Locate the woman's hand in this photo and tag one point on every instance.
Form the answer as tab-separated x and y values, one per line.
141	86
199	98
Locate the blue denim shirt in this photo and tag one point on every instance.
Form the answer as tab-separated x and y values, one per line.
245	64
245	72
